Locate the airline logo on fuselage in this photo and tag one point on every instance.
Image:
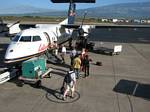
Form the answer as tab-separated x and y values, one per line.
42	47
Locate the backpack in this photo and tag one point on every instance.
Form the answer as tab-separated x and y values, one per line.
67	78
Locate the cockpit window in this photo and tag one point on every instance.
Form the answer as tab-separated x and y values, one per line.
25	39
36	38
16	38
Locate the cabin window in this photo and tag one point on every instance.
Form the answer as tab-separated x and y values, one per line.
16	38
36	38
25	39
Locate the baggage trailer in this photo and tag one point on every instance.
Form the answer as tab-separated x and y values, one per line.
36	81
115	51
33	70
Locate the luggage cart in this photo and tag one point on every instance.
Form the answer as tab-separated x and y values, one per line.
37	80
33	70
115	51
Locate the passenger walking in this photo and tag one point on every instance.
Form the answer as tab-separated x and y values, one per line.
72	55
69	83
63	53
77	65
55	48
86	65
83	54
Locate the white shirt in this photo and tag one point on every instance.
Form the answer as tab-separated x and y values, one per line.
63	49
73	77
73	53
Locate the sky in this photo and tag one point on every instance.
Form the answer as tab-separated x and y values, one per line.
47	4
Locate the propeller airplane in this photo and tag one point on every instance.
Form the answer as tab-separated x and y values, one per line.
33	42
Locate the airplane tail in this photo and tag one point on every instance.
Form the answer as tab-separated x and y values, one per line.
71	15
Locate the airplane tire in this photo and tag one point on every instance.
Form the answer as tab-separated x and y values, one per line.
20	83
38	84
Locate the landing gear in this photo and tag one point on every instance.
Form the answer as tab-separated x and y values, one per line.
83	43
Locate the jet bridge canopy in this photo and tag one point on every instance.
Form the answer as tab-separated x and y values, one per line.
74	1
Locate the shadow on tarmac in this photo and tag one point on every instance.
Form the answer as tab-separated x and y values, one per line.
64	65
53	95
58	73
56	93
133	88
56	96
59	69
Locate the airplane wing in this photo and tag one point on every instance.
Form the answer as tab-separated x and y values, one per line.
80	29
26	26
14	27
73	26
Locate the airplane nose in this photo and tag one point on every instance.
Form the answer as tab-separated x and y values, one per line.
9	54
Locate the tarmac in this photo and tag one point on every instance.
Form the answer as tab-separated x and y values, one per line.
121	84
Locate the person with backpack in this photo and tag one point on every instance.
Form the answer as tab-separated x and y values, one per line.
69	83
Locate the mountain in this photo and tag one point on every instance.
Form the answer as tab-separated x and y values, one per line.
124	10
23	9
130	10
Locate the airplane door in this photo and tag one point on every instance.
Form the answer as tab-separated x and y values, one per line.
47	37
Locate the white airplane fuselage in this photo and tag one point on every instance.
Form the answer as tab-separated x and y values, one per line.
32	42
